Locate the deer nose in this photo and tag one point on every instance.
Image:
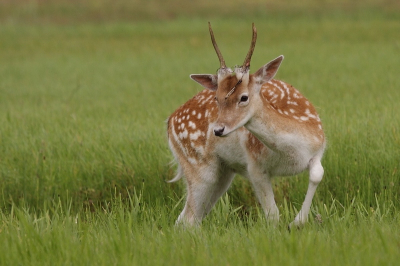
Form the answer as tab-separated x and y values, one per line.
219	131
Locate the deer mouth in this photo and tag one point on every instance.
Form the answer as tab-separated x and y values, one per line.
222	131
219	131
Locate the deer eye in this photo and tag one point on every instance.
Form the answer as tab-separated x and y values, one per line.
244	98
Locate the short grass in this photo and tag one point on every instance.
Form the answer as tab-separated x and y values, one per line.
84	156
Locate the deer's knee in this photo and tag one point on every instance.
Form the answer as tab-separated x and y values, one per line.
316	172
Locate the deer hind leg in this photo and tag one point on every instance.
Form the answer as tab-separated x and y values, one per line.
316	172
204	187
262	186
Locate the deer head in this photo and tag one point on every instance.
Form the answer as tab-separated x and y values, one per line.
237	92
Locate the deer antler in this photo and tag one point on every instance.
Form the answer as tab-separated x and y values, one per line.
221	59
246	63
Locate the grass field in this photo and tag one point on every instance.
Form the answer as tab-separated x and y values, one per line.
83	150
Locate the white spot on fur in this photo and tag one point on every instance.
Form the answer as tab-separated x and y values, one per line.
199	149
192	125
309	114
192	160
282	93
183	135
273	84
193	112
198	115
195	135
178	141
200	98
209	99
284	86
312	116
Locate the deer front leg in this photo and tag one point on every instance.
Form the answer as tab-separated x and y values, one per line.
202	194
316	172
263	189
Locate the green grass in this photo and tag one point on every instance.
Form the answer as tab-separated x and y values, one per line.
83	147
139	234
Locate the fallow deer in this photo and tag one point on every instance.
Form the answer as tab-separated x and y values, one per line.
250	124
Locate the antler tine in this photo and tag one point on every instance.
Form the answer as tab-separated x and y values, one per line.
221	59
246	63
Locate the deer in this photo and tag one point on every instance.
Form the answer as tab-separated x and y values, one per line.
247	124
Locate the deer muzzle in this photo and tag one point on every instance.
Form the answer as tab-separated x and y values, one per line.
219	131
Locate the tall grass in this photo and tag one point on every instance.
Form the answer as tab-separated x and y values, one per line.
139	234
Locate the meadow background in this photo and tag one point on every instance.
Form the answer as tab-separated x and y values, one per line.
86	88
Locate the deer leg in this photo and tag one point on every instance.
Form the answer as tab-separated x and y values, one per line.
263	189
316	172
202	194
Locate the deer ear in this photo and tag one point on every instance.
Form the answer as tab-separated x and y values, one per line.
268	71
208	81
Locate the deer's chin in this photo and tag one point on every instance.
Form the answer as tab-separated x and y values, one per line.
224	135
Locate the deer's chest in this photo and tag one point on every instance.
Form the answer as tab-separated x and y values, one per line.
286	156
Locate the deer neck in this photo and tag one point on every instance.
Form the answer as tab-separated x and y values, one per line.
267	125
